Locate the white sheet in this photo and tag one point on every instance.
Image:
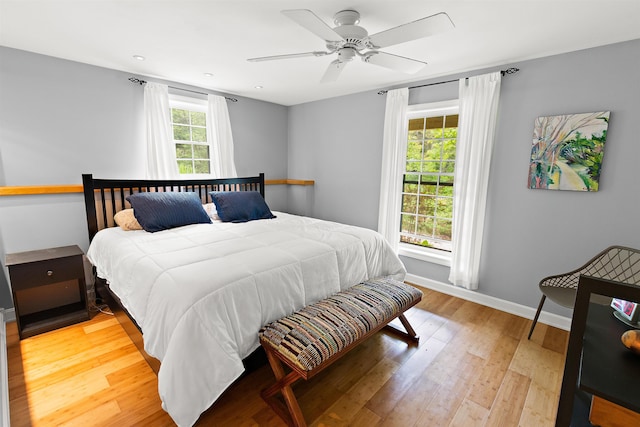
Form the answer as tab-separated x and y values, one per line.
200	293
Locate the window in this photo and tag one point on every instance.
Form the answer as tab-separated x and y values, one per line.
189	124
427	184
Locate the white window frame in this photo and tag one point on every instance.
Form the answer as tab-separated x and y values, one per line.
199	105
435	256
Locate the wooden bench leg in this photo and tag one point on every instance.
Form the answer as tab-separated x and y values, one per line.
410	334
292	414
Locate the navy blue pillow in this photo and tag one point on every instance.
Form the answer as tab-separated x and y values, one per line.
162	211
240	206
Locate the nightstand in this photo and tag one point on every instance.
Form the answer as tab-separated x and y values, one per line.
49	289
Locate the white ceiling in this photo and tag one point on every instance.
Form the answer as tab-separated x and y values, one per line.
183	39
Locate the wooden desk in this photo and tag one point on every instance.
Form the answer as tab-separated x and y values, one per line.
597	361
607	414
609	370
615	389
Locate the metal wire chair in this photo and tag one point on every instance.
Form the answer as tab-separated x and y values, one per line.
616	263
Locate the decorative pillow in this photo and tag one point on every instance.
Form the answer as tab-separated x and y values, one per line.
162	211
127	220
210	209
240	206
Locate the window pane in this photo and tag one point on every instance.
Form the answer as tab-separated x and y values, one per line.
180	116
425	226
201	166
427	205
414	150
416	124
448	167
445	191
183	151
409	202
444	207
428	186
433	133
431	167
446	179
198	118
181	133
443	229
408	223
432	149
435	122
413	166
451	121
201	151
416	135
185	166
410	184
449	151
199	134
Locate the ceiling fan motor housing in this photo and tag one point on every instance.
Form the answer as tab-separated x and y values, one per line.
353	35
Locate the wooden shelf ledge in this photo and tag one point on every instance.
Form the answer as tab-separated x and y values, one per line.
61	189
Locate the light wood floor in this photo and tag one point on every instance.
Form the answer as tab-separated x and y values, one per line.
474	367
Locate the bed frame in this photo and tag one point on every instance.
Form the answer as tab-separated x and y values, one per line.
105	197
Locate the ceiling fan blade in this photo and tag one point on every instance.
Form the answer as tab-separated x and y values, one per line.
333	71
311	22
434	24
288	56
394	62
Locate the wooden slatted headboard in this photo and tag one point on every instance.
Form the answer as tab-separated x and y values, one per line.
103	198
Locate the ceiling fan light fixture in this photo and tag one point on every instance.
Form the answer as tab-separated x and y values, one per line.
346	54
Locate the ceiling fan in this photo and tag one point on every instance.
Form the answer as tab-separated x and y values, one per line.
349	40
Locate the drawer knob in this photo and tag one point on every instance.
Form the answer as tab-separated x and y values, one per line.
49	273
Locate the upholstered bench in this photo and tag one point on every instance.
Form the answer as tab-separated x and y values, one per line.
313	338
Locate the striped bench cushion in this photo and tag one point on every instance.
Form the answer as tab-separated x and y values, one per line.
317	332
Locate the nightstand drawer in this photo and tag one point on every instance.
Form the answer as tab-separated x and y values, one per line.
45	272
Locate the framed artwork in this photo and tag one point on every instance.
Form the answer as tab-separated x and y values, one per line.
567	151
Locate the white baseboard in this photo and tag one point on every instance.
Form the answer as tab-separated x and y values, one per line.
4	372
551	319
9	314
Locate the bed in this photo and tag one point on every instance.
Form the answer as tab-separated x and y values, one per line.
193	297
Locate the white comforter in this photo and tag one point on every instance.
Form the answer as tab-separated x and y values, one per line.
200	293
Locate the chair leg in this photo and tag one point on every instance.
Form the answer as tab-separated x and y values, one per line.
410	333
535	319
291	414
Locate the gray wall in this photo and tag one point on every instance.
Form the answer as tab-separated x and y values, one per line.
59	119
529	233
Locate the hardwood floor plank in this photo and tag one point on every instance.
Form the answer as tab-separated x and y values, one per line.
507	409
484	390
469	414
473	367
402	383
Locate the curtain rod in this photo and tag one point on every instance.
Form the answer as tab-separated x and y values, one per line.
141	82
503	72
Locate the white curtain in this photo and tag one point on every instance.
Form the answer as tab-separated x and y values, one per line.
219	131
161	153
394	153
478	115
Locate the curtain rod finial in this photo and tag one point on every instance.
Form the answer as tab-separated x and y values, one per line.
136	80
511	70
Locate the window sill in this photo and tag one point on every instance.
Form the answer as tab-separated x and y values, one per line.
425	254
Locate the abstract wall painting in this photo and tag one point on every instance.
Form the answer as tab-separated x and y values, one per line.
567	151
